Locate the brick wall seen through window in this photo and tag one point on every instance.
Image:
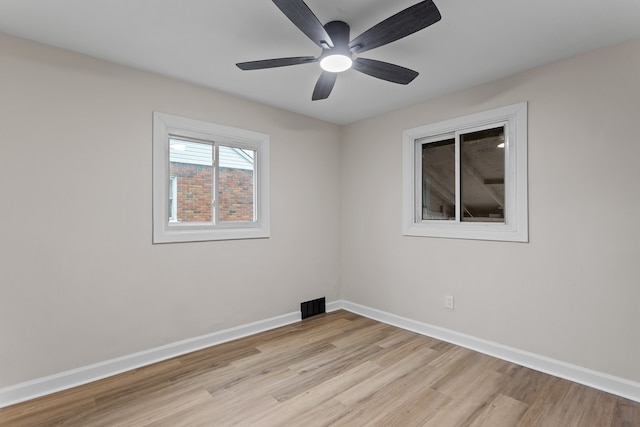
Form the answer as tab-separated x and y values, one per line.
195	183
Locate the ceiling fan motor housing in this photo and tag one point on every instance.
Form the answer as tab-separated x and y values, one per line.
337	58
339	32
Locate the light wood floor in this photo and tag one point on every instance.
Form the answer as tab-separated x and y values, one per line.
338	369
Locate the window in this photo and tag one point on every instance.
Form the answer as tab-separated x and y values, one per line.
467	177
210	182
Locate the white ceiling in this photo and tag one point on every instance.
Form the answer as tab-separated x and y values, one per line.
201	40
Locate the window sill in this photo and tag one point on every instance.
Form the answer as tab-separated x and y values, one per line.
181	235
472	231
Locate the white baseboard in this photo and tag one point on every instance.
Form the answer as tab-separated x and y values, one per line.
334	306
65	380
598	380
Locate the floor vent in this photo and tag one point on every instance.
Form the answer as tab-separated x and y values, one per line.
311	308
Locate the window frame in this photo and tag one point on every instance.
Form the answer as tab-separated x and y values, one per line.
168	126
515	226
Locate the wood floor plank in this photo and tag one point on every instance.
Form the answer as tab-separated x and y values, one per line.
260	380
502	411
284	356
411	364
399	338
369	332
236	411
627	414
322	415
594	407
469	399
322	332
472	380
150	409
336	369
543	409
415	410
374	404
526	385
582	406
310	378
305	404
390	355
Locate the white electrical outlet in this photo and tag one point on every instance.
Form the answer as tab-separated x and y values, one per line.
448	302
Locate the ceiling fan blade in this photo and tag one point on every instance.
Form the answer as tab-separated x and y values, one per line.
299	13
278	62
385	71
400	25
324	86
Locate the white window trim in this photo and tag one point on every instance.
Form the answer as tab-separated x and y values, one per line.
515	228
166	126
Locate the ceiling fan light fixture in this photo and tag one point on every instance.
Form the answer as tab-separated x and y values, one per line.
338	48
336	63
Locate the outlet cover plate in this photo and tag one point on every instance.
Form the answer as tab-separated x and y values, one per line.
448	302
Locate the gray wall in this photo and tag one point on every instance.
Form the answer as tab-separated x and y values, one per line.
573	292
81	282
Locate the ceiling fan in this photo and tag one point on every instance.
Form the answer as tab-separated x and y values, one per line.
337	51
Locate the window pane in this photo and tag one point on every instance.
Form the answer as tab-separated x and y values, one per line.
236	185
482	175
173	200
439	180
191	165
